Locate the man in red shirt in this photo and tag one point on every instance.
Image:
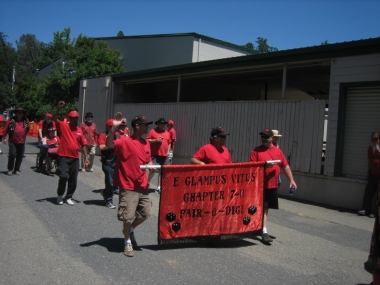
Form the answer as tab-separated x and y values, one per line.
16	127
159	140
44	125
135	205
373	176
214	152
90	133
72	139
267	151
173	138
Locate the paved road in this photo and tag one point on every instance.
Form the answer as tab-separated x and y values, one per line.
43	243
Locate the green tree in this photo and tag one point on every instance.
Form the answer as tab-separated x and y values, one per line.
29	50
81	58
262	46
7	61
326	42
120	34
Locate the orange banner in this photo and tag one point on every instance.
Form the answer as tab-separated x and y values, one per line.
211	200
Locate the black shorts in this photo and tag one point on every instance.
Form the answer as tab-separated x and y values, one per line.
271	197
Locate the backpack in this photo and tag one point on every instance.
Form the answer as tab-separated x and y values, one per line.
11	126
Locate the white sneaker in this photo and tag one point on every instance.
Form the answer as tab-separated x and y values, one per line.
90	170
1	152
59	200
70	201
158	190
83	170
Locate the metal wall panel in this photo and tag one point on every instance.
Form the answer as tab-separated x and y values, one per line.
300	122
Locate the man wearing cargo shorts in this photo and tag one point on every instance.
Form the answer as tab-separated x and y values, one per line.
135	205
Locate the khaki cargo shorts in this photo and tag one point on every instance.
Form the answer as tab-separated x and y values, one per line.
134	204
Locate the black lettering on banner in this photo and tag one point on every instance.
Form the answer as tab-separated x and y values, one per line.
175	184
234	210
190	213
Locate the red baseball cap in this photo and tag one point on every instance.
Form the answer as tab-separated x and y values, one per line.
171	122
109	123
73	114
48	115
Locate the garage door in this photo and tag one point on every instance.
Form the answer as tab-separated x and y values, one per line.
362	118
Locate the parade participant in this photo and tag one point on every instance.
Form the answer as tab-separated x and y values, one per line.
91	135
173	138
108	159
44	125
123	129
51	153
135	205
159	140
72	139
214	152
373	176
16	128
267	151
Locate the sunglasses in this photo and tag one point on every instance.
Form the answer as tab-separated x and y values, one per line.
265	137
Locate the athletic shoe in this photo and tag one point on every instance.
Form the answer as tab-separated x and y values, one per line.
266	238
70	201
133	240
52	171
59	200
10	173
110	205
83	170
371	215
90	170
128	250
18	172
116	191
158	190
1	152
362	213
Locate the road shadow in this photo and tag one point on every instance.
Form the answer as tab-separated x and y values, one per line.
94	202
111	244
53	200
98	191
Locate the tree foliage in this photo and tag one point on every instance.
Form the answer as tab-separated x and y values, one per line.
7	61
72	60
262	46
120	34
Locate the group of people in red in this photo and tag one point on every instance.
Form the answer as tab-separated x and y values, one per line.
122	153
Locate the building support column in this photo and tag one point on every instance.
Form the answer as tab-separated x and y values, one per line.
283	83
179	89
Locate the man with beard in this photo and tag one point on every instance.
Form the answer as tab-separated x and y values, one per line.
267	151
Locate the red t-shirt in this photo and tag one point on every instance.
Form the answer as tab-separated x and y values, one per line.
19	133
90	133
54	140
374	161
261	153
159	149
210	155
71	140
131	153
45	129
173	137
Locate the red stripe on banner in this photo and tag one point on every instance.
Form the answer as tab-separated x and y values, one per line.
211	200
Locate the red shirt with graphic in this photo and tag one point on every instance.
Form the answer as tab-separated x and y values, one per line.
72	139
159	149
261	153
209	154
374	161
131	153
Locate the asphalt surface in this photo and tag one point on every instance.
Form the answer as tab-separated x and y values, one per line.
44	243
